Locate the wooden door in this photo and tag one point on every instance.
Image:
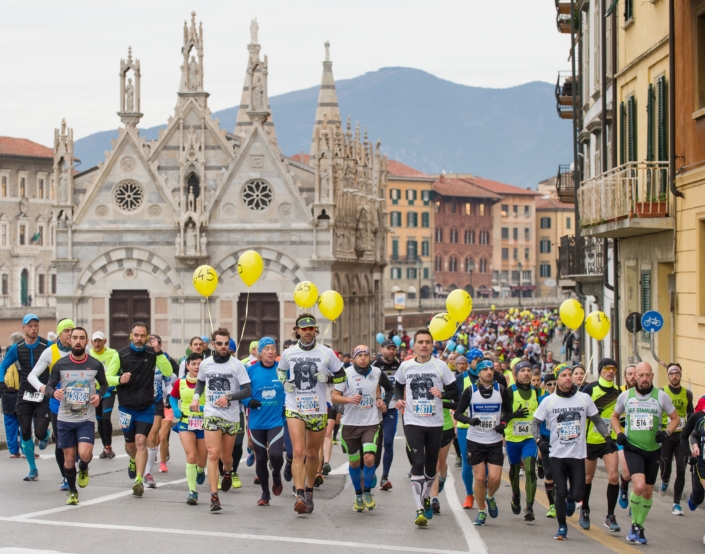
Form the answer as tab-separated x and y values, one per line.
126	308
262	320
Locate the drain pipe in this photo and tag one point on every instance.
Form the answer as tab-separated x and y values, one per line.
672	101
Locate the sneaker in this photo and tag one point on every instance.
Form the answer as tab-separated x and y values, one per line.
421	520
138	489
441	484
633	534
358	505
569	507
692	506
111	454
370	503
676	511
318	481
529	514
623	499
611	524
149	481
72	499
469	502
562	534
83	478
642	538
309	502
200	477
664	488
300	505
516	503
163	468
374	482
336	441
492	507
264	500
236	483
521	473
481	519
256	481
385	485
277	486
64	486
287	471
104	454
584	519
192	498
250	459
227	481
427	508
435	505
551	511
539	469
44	442
132	469
458	463
33	475
326	469
215	502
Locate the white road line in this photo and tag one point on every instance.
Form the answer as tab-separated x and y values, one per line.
51	456
342	470
243	536
475	544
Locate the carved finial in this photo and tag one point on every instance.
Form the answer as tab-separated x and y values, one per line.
357	131
193	19
129	54
327	45
254	29
348	124
366	135
63	126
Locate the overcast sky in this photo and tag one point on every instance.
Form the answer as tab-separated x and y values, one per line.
61	58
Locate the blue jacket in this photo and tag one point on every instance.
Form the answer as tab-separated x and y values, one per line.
266	388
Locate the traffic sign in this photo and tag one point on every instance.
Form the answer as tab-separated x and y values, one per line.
633	322
652	321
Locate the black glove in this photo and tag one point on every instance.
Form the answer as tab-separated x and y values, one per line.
521	413
609	441
473	421
3	388
499	428
621	439
254	403
544	446
692	460
661	436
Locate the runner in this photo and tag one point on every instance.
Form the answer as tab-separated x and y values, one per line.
77	373
543	464
579	376
446	442
421	379
266	418
683	402
565	413
624	479
464	381
32	406
604	393
461	366
225	382
643	407
196	346
104	410
190	425
131	371
153	439
360	393
692	434
304	370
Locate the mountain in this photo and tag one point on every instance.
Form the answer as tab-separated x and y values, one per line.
512	135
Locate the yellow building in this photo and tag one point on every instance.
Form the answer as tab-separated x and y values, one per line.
554	220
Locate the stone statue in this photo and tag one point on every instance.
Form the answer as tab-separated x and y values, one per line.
191	240
177	243
129	97
204	243
327	51
257	93
62	187
193	74
325	183
254	29
23	205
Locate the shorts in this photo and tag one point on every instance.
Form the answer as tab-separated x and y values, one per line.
73	432
159	408
168	414
182	427
447	437
643	462
40	410
332	412
517	451
595	451
479	453
136	422
312	422
356	438
215	423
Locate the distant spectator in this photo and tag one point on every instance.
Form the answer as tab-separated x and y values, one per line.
9	399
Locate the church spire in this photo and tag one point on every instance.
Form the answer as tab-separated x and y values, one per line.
327	110
192	64
130	113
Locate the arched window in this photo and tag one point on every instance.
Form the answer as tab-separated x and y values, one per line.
469	236
193	184
484	237
439	263
453	264
469	264
454	236
439	234
483	265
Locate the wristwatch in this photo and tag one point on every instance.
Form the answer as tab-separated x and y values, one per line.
229	395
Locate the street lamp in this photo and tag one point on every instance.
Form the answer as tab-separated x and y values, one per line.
471	268
519	268
419	267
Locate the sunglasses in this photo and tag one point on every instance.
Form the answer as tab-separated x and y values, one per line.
551	384
221	343
306	328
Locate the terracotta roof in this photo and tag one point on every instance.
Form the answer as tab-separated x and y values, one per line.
553	204
451	186
500	188
301	158
10	146
398	169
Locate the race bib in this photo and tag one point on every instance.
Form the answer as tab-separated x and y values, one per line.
125	420
212	396
424	407
487	422
33	396
156	385
608	424
641	422
569	430
366	402
681	424
76	395
307	403
522	428
195	423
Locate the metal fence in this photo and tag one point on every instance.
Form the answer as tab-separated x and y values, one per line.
583	256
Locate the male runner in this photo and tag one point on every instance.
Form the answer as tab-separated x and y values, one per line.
131	370
463	381
104	410
543	464
421	379
604	393
643	407
683	402
624	479
388	362
77	373
225	382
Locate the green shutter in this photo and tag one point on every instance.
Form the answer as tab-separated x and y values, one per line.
645	286
395	249
631	127
425	219
661	118
622	125
650	124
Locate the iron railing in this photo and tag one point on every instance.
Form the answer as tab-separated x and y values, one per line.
565	185
565	90
583	256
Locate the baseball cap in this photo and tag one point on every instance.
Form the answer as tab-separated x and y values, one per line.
388	342
98	335
29	317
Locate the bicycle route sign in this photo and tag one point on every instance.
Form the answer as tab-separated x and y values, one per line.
652	321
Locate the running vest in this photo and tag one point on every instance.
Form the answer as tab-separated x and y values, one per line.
466	383
26	358
519	430
186	396
680	403
489	411
509	376
642	419
604	395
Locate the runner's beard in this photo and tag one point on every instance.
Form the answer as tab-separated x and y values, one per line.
644	392
78	351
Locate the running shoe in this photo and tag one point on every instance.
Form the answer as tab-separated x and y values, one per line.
692	505
469	502
83	478
642	538
676	511
138	489
264	500
435	505
300	505
132	469
492	507
521	472
664	488
529	514
227	481
458	462
33	475
385	484
539	469
370	503
318	481
236	483
441	484
358	505
611	524
633	535
72	499
111	454
64	486
200	477
516	503
421	520
277	486
374	482
551	511
584	519
149	481
481	518
569	507
192	499
427	508
623	498
215	502
250	459
309	502
336	441
163	468
104	454
256	481
562	534
45	441
326	469
287	471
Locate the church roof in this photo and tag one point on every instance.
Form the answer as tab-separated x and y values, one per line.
552	205
452	186
24	148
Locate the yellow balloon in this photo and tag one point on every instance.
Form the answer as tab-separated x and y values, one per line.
459	305
572	313
492	307
442	327
250	267
331	304
597	325
205	280
305	294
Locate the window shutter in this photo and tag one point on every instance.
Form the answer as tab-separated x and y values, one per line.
631	126
395	249
597	69
645	286
622	125
661	118
650	124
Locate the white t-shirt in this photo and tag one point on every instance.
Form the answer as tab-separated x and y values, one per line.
366	412
219	379
422	408
565	420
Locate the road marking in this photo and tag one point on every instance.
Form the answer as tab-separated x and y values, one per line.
95	457
243	536
472	537
342	470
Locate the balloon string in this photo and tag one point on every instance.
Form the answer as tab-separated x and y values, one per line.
446	348
328	328
208	307
244	323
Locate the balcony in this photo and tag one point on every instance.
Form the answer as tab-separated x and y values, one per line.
581	258
564	94
563	21
563	8
26	250
565	184
630	200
